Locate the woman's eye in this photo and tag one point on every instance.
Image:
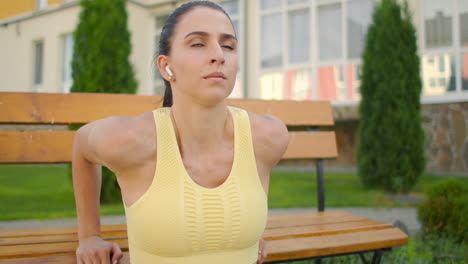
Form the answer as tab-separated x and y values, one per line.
228	47
197	45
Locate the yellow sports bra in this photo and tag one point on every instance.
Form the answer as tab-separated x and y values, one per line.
178	221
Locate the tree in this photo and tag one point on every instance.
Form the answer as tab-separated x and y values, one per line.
100	61
391	149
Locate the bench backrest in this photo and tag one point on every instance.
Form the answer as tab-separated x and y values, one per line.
305	120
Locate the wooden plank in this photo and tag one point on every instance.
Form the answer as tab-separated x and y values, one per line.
55	108
292	113
55	231
48	249
68	259
317	218
274	221
269	234
307	247
36	146
323	229
25	240
311	145
80	108
31	146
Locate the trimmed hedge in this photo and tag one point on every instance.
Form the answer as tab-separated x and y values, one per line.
391	149
445	211
101	62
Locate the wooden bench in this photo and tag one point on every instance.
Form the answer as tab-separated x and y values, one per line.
313	235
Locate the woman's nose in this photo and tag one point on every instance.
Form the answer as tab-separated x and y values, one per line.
217	54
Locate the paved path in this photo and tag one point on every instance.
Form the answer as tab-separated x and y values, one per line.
389	215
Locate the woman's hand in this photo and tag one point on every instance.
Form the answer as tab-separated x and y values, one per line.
94	250
262	254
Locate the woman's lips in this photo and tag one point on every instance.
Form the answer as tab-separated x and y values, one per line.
215	76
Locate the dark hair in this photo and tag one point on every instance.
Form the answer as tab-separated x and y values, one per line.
168	31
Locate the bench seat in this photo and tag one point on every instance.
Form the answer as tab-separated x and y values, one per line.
288	237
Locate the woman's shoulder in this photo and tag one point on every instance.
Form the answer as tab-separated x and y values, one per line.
114	138
270	136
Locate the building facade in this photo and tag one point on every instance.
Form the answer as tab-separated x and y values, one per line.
289	49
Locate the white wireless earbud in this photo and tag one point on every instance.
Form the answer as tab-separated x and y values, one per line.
169	71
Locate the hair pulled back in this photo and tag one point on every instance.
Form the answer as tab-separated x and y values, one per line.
168	31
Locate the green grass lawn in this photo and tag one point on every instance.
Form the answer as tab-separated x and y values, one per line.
41	192
299	189
45	192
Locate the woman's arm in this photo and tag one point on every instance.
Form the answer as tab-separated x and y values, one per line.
86	171
271	139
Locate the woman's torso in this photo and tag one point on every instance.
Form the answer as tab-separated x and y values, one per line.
136	173
224	220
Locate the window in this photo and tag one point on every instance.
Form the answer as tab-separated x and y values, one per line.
445	45
266	4
329	23
438	23
331	84
271	52
67	80
463	7
298	87
312	49
38	65
438	77
292	2
41	4
464	70
358	19
354	73
271	86
299	36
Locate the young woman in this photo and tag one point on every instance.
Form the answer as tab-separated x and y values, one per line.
194	175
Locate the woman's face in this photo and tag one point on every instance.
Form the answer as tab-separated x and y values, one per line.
203	56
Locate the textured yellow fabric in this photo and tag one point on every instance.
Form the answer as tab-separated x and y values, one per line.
178	221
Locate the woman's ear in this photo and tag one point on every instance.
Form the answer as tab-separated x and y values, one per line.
164	68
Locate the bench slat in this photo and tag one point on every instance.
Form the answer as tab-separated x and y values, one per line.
325	229
53	108
36	146
10	241
31	146
307	247
317	218
269	234
69	259
54	231
311	145
274	221
64	248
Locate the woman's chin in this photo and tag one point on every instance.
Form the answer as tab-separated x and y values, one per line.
215	97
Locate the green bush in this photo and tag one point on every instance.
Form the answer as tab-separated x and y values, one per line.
101	62
445	211
391	148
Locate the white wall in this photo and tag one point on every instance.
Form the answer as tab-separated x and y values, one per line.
140	24
17	49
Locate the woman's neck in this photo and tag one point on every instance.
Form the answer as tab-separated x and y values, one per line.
201	128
